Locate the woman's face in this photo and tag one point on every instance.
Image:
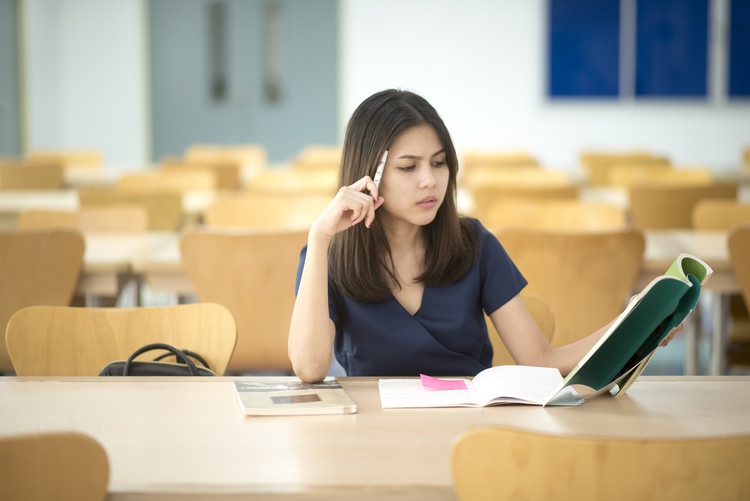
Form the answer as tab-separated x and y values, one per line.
415	177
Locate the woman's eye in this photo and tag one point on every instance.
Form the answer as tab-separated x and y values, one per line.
438	164
408	168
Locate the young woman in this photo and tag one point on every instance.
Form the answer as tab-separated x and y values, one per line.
392	279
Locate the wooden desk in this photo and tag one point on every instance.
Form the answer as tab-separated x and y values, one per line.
186	438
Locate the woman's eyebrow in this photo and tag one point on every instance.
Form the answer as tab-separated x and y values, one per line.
417	156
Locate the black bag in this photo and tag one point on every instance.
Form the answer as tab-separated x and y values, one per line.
184	366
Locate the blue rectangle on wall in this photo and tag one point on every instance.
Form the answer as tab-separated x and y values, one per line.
671	48
739	48
583	51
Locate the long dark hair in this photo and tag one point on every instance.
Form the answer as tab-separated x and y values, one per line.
360	258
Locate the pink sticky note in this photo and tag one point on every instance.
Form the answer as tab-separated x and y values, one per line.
433	383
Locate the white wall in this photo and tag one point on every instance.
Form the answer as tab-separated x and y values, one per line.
480	63
85	78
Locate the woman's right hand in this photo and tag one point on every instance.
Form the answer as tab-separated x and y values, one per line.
349	207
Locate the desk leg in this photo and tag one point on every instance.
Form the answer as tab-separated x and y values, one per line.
719	334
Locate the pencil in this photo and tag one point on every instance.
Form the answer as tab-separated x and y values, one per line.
379	171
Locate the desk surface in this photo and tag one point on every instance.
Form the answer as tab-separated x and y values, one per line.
187	438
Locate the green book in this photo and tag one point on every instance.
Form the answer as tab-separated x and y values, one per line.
623	351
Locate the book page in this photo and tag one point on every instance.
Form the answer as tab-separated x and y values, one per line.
399	393
517	382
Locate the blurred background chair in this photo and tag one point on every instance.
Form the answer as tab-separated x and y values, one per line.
543	316
490	463
227	172
738	243
165	210
64	466
287	181
36	268
585	277
96	219
670	205
19	176
318	157
719	213
597	165
252	273
68	341
262	210
551	214
88	158
165	180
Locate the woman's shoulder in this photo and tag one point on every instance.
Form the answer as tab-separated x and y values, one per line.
476	225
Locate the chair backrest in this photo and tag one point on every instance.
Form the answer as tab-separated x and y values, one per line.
738	244
66	158
719	214
259	210
65	466
543	316
629	175
598	164
165	210
586	277
179	180
490	463
31	177
37	267
252	156
551	214
669	205
227	172
496	159
104	219
252	273
318	156
69	341
284	181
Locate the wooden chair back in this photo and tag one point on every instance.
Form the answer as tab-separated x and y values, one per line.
543	316
68	341
65	466
738	243
227	173
165	180
597	165
490	463
252	273
670	206
282	181
251	156
484	198
96	219
586	277
472	160
36	267
629	175
266	211
31	177
318	156
165	211
719	214
746	158
66	158
549	214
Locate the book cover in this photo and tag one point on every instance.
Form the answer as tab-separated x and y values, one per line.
290	396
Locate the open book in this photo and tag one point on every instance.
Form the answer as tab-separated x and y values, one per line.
290	396
611	365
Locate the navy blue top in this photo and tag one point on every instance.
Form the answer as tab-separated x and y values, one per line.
446	337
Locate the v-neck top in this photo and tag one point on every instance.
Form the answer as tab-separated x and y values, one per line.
448	334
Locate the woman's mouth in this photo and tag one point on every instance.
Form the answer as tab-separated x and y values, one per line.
427	203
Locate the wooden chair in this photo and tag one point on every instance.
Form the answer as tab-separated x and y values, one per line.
96	219
31	177
65	466
252	273
738	243
251	157
629	175
484	197
165	211
266	211
227	173
719	214
68	341
670	206
318	156
166	180
36	267
597	164
586	277
490	463
549	214
66	158
543	316
283	181
746	158
496	160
